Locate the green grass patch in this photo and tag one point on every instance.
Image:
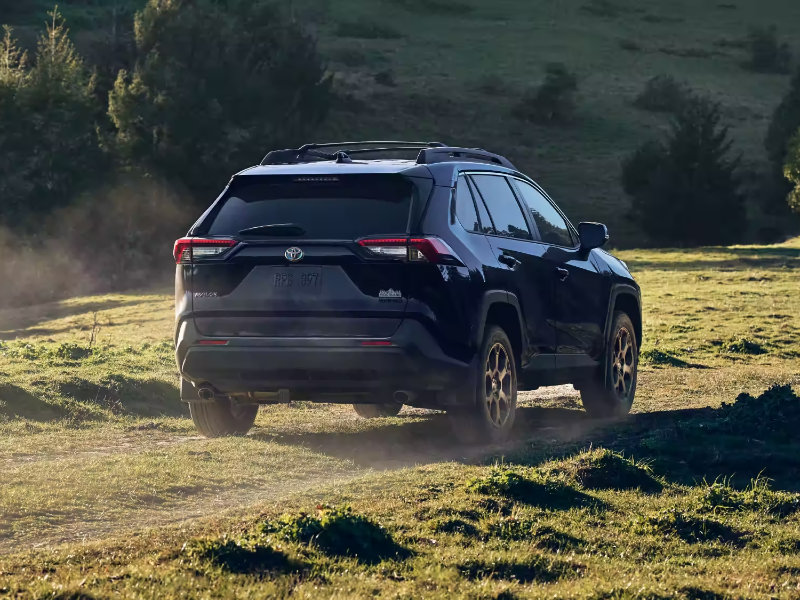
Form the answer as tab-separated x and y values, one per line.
241	556
338	531
688	527
535	489
603	469
721	496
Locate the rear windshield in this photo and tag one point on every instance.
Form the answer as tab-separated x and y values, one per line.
341	207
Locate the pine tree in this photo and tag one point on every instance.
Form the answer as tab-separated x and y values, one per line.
685	189
48	123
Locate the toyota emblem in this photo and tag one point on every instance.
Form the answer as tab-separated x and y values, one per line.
293	254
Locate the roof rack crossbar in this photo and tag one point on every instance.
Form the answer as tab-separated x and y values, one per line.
298	155
429	156
416	145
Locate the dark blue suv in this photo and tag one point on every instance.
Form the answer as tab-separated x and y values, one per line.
450	282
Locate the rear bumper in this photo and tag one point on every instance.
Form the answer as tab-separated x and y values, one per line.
413	362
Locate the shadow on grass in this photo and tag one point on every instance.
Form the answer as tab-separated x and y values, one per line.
752	437
234	557
16	402
751	258
15	322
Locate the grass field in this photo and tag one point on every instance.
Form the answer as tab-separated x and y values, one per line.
452	70
108	491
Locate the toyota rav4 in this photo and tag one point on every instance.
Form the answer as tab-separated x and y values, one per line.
451	282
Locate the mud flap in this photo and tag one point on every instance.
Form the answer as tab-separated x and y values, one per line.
188	391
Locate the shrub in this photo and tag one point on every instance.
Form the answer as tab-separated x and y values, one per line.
385	78
767	54
367	29
215	85
629	45
663	93
601	8
685	189
435	7
554	101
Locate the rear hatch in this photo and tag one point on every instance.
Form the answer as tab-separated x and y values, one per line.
284	256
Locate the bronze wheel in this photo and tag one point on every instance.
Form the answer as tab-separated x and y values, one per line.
611	393
490	405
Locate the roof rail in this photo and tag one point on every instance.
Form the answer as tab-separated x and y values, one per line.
439	154
311	152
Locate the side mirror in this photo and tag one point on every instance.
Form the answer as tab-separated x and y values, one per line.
592	235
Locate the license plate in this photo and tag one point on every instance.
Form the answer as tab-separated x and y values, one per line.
297	279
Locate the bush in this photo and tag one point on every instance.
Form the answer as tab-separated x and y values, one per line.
48	125
216	85
663	93
767	54
554	101
685	189
367	29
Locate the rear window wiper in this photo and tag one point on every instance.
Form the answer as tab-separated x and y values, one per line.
276	229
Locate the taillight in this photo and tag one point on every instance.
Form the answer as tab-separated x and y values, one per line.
187	250
428	249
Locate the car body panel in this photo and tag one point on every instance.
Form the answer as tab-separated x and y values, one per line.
432	323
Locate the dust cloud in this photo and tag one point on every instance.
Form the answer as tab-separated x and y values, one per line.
118	237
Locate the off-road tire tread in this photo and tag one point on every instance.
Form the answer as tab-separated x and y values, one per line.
598	399
376	411
215	419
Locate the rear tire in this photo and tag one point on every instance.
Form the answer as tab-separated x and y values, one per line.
375	411
222	417
611	393
489	415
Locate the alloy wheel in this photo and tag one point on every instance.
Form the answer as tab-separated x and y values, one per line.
499	384
623	366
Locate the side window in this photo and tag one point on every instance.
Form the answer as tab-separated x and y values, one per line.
551	224
465	207
486	220
506	214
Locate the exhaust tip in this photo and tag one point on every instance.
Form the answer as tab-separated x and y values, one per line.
205	392
403	397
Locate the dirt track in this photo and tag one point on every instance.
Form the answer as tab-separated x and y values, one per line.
329	458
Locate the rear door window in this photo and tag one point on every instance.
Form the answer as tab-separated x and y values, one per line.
465	207
333	208
552	226
503	207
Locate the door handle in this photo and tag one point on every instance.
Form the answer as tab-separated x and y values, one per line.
509	261
562	274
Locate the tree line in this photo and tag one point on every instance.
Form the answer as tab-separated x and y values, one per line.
207	85
210	85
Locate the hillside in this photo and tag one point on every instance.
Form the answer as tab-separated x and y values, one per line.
452	70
